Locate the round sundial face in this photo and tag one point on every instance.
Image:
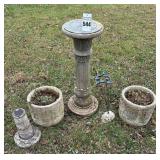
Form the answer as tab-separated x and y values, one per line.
74	29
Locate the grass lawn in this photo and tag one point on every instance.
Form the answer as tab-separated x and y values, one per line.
38	53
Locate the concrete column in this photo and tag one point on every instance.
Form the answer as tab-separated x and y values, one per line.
82	102
23	125
26	134
82	53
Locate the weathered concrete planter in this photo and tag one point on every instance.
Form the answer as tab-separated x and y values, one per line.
133	114
47	115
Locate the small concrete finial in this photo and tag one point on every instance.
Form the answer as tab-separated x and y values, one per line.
26	134
107	116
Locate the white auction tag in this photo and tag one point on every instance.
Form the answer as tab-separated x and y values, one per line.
87	22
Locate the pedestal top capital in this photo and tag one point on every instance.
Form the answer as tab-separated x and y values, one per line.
74	29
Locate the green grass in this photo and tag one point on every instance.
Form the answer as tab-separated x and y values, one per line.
38	53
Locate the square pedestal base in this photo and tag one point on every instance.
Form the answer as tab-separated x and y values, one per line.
87	110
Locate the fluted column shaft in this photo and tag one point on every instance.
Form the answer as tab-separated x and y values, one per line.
82	51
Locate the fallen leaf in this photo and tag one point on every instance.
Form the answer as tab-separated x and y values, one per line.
19	77
44	141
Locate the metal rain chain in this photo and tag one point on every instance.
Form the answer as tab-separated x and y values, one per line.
103	80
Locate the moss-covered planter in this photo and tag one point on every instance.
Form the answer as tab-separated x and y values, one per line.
134	114
46	114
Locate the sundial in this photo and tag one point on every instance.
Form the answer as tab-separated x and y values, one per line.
82	31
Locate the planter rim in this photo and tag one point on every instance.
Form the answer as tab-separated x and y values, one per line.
55	89
131	104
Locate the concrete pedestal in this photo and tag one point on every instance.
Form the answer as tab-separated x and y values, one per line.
26	134
82	103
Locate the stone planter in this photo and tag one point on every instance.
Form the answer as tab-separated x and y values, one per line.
133	114
46	115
